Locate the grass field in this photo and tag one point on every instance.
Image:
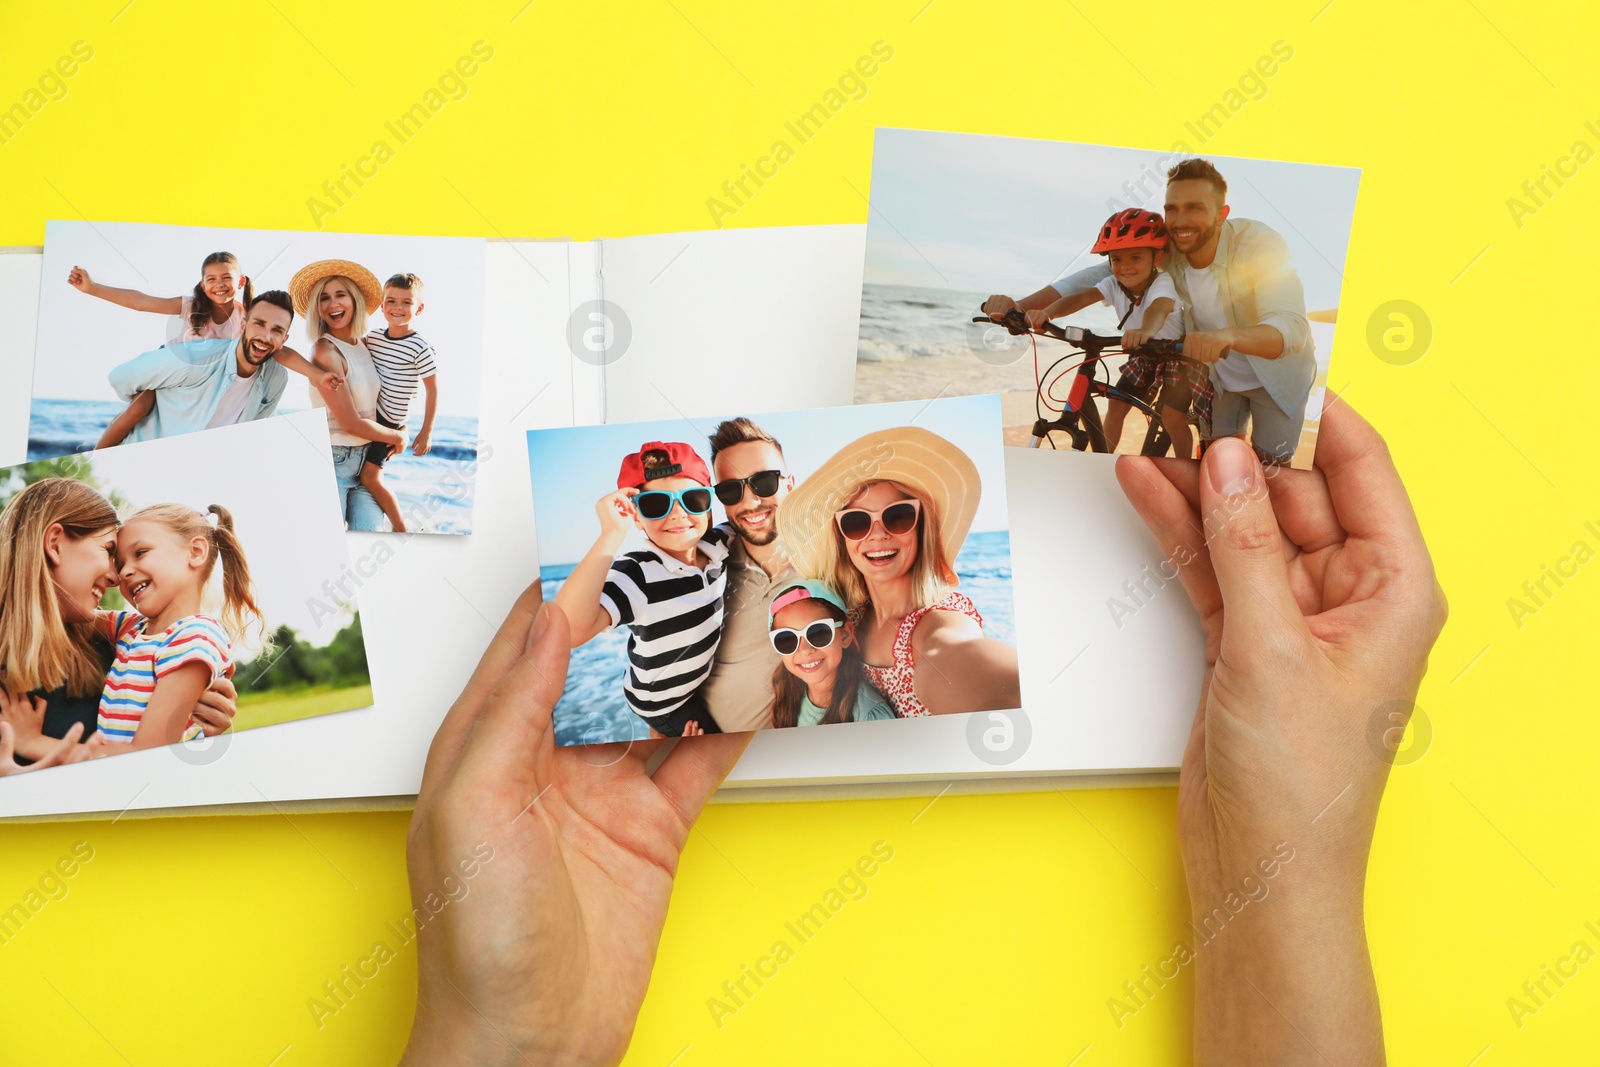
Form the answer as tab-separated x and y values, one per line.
287	705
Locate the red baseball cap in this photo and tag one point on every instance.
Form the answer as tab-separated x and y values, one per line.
671	459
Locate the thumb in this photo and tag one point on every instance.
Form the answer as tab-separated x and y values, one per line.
516	718
1246	548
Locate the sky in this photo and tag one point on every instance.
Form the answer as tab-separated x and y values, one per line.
278	485
1007	214
573	467
81	337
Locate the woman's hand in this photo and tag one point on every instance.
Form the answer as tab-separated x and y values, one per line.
25	715
616	511
1319	605
543	953
217	707
63	751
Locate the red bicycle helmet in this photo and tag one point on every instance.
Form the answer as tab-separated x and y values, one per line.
1131	228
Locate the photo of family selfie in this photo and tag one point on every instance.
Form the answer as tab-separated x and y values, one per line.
781	570
148	332
142	605
1120	300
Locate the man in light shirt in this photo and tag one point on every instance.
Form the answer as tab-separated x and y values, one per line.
196	385
1244	307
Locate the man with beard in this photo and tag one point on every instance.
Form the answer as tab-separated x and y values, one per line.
195	385
1244	309
751	481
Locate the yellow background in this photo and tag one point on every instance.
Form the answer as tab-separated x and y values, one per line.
1003	924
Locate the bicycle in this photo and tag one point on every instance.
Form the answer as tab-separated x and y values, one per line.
1078	417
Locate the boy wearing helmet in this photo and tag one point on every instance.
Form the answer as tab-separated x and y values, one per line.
1135	241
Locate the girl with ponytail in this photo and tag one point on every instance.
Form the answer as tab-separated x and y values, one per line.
215	308
167	651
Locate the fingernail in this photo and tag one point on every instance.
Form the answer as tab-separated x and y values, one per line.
541	623
1231	467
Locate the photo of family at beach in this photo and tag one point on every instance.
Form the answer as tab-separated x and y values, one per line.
1208	287
147	332
144	603
771	571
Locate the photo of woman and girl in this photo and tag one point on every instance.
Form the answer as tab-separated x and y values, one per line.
61	549
131	618
266	324
859	610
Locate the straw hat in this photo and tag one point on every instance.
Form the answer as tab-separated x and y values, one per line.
943	476
306	278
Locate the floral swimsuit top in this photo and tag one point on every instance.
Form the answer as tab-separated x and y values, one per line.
897	681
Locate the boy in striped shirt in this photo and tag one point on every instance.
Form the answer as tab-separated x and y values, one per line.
668	594
403	360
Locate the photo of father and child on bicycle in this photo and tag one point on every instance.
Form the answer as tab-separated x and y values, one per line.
1176	306
860	569
129	351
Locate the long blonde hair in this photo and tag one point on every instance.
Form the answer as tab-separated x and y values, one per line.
931	575
316	328
238	594
39	648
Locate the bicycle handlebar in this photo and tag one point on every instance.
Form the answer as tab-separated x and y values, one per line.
1077	336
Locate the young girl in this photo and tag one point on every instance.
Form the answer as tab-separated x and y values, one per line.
1135	242
214	309
819	678
167	652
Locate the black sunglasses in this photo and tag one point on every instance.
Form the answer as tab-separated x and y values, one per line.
657	503
761	483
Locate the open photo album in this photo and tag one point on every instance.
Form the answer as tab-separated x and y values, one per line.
764	472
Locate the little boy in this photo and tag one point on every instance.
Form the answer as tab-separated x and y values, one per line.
402	359
669	594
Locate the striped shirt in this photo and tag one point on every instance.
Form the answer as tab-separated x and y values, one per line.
402	362
673	612
141	661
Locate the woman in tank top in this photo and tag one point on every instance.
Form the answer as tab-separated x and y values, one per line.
882	520
335	296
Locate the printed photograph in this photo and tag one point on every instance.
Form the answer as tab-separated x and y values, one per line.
1119	299
149	331
754	572
147	601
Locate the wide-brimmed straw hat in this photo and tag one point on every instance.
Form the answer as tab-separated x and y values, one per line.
941	475
306	278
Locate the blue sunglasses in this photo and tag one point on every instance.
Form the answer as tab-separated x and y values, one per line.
657	503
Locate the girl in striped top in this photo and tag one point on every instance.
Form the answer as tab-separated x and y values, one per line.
167	652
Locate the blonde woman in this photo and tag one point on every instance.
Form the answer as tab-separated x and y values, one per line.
58	542
335	296
882	521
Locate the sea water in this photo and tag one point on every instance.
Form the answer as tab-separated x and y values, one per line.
592	708
439	486
903	322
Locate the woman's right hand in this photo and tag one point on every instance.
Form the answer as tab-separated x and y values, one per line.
25	715
67	750
79	279
616	511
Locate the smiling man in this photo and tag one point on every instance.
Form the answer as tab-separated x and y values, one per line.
751	481
195	385
1244	311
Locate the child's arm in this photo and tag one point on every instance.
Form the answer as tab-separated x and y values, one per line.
430	391
289	359
1155	317
579	596
131	416
173	701
79	279
1065	305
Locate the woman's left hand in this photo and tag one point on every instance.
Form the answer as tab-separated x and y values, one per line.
25	715
542	953
65	751
217	707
